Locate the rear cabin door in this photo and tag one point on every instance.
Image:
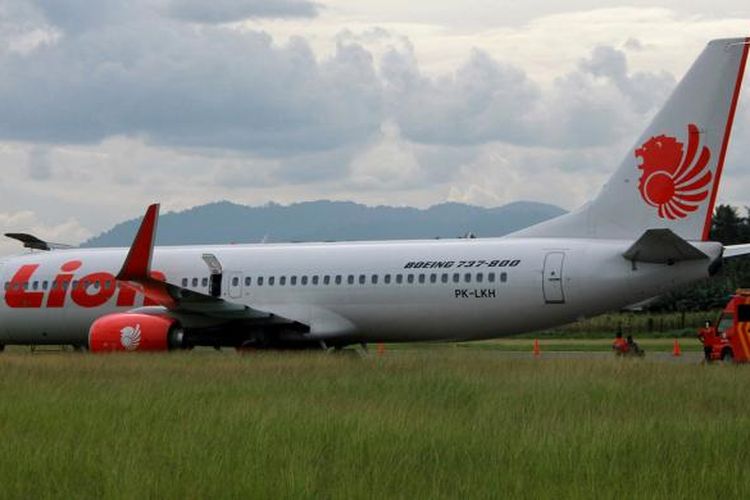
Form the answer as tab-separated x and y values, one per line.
552	285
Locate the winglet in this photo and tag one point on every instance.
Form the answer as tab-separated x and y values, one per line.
137	266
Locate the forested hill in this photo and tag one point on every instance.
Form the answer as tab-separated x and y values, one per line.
226	222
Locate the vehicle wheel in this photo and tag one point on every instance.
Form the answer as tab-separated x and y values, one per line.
2	347
727	356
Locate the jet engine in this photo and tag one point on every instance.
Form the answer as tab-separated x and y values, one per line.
135	332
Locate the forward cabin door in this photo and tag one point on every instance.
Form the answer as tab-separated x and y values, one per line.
552	284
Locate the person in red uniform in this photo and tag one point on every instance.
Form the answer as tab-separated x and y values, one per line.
620	345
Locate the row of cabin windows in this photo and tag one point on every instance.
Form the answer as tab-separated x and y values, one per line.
60	285
315	280
361	279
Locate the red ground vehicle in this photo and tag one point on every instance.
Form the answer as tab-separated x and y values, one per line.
729	339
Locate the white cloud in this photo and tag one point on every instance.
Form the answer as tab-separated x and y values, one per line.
122	105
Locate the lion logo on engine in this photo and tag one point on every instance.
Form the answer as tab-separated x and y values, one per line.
130	337
674	181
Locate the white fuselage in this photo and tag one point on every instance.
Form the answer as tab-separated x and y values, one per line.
401	290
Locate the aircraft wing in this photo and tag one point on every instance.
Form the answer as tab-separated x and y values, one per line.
31	241
136	273
736	250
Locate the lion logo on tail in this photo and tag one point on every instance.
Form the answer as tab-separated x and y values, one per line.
672	180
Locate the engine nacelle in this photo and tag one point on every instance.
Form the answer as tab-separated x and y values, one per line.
134	332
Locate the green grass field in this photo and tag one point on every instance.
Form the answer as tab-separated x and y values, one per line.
437	423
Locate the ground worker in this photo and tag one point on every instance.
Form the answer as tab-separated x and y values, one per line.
620	346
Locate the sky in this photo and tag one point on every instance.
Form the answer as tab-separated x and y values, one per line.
108	106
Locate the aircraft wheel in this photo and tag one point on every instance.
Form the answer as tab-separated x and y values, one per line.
2	347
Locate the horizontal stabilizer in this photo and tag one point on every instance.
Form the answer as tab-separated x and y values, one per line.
736	250
31	241
662	246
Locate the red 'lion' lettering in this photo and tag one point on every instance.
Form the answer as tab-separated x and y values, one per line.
17	294
93	290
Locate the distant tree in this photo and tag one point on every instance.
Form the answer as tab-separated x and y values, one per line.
727	226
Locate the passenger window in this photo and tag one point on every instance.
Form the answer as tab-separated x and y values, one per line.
75	285
271	280
350	279
387	279
326	280
374	279
362	279
65	285
480	277
293	280
282	281
260	281
410	278
107	285
7	285
338	279
456	277
35	285
204	282
433	278
248	281
444	278
184	282
303	280
467	277
421	278
503	277
491	277
399	279
315	279
44	285
195	282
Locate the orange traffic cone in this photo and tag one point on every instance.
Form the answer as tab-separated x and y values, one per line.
676	351
536	350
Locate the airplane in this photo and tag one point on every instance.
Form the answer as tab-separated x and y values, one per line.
644	234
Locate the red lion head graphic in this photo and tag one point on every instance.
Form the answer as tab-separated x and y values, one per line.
672	180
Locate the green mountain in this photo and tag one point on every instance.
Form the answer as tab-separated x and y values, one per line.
225	222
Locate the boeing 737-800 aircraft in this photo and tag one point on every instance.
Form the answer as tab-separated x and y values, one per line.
644	234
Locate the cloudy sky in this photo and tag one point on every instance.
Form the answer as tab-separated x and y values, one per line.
110	105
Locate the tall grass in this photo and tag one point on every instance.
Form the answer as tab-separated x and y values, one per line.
439	424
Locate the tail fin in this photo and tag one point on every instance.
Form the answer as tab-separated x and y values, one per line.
671	176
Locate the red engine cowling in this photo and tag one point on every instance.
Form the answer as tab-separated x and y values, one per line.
134	332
